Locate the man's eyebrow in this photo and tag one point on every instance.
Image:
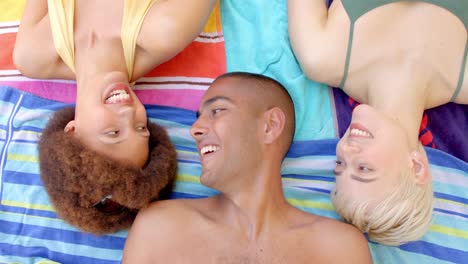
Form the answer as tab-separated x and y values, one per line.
212	100
360	179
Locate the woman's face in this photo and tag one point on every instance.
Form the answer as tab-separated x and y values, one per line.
371	156
111	120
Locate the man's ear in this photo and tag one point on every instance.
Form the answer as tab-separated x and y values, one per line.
420	168
70	127
274	124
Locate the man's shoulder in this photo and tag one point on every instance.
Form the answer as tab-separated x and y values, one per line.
330	227
168	209
160	228
328	235
172	217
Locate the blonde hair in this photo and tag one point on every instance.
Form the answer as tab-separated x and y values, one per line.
404	214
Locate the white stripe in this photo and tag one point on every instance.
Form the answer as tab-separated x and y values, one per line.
9	23
176	86
449	176
190	83
315	162
8	30
26	79
8	139
458	208
179	132
211	34
9	72
176	79
2	134
209	40
6	107
27	135
288	182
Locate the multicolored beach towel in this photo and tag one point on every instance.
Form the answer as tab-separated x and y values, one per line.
246	40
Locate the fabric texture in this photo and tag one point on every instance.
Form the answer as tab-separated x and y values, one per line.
31	232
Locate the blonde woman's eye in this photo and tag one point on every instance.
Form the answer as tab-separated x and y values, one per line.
364	168
338	162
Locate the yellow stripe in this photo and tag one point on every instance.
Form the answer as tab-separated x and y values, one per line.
302	180
47	262
311	204
33	216
187	178
28	205
452	202
21	157
11	10
187	152
449	231
214	21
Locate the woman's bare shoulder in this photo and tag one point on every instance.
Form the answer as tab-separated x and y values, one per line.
34	53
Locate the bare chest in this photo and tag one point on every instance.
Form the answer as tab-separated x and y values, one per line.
232	249
407	35
101	18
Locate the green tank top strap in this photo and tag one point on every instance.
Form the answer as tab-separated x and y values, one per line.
356	8
461	76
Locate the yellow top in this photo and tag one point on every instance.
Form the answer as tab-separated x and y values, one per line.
61	14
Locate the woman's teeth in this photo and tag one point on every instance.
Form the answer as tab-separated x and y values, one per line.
117	96
358	132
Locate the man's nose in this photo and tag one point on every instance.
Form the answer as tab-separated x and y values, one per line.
198	128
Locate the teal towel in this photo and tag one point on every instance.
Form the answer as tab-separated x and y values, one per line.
256	40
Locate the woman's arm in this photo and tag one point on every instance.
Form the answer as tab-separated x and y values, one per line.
34	53
171	25
318	38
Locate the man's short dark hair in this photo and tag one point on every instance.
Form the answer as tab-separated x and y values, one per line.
267	82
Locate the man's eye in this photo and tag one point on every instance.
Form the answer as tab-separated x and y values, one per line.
141	128
216	111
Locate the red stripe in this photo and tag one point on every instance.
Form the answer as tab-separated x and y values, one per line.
6	51
196	60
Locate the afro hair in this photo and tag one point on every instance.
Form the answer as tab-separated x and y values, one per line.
77	178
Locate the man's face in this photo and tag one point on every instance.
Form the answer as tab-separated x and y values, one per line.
227	133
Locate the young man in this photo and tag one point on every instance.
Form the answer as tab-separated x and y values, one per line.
244	128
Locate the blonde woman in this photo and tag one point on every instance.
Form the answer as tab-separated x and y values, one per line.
398	58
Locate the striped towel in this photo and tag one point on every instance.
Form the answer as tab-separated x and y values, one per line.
31	232
307	172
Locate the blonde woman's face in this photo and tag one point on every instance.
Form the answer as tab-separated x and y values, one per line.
371	155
